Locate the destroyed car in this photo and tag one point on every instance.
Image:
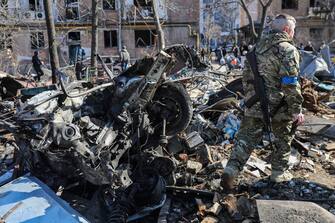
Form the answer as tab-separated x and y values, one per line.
111	136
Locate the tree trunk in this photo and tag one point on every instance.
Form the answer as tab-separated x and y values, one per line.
120	9
94	43
49	19
265	8
251	22
160	33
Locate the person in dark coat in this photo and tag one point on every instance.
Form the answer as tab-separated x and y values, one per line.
309	47
244	47
37	66
202	54
236	50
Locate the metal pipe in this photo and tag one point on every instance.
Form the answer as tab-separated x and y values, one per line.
83	93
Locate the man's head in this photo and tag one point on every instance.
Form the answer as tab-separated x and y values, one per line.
124	47
284	23
35	53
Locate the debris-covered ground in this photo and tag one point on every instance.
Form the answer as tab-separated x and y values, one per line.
116	152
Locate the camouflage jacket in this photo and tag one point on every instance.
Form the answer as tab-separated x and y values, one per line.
278	63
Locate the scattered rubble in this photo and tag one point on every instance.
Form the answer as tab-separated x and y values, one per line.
117	149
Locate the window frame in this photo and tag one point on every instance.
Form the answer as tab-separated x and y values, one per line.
111	45
286	7
111	7
39	38
152	38
6	41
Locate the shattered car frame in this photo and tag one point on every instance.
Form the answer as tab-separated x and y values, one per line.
112	136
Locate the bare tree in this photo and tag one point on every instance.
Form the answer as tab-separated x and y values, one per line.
211	30
94	45
325	9
54	61
159	30
220	20
265	4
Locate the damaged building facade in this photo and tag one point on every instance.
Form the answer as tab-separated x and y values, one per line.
315	19
218	22
128	23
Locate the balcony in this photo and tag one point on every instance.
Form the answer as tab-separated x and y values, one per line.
142	14
15	15
319	12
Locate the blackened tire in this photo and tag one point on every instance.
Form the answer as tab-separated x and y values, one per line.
181	109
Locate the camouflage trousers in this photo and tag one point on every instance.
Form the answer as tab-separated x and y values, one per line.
250	135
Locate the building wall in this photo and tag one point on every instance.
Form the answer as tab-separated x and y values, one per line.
180	24
224	17
183	11
304	22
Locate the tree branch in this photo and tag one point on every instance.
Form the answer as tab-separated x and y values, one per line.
264	13
262	4
251	22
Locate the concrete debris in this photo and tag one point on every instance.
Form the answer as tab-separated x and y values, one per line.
151	145
230	203
292	212
193	166
193	140
215	209
210	220
204	155
329	146
307	164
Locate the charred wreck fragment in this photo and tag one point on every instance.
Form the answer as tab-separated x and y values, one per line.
111	137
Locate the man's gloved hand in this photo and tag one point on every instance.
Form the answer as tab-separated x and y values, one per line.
298	118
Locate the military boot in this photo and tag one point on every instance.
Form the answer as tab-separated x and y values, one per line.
278	176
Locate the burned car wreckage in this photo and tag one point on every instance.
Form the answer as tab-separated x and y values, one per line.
111	136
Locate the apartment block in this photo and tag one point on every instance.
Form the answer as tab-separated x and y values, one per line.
315	19
127	23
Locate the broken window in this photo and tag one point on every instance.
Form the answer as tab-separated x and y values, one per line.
37	40
145	38
5	41
289	4
34	5
72	13
71	1
314	3
110	38
108	4
74	36
316	33
144	8
72	9
142	3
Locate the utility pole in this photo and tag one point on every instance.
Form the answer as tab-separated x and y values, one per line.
160	33
94	43
49	19
119	31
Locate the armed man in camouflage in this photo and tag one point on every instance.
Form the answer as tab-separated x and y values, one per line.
278	64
